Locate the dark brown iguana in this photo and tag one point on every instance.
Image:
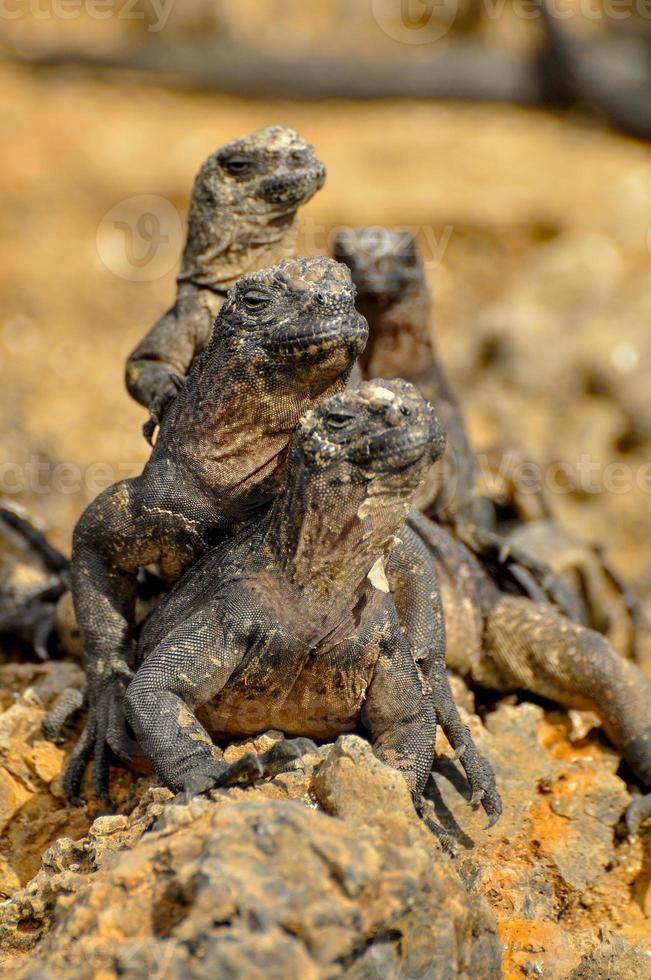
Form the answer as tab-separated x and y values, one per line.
523	515
290	625
285	338
241	219
393	295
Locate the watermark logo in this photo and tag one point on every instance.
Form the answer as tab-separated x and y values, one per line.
154	13
140	239
318	239
415	21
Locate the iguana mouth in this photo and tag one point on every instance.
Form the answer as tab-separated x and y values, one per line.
319	336
397	449
291	188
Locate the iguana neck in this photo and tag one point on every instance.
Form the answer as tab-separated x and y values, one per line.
217	254
327	546
401	344
399	335
232	420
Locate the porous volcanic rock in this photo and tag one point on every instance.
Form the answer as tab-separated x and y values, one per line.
257	882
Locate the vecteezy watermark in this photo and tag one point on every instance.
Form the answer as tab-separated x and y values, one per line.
154	13
141	238
427	21
584	475
315	238
415	21
39	475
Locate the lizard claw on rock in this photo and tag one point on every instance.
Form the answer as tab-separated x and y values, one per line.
427	813
477	769
637	813
105	732
61	715
286	755
218	775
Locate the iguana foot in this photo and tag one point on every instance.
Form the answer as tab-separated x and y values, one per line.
478	770
217	775
286	755
637	813
160	405
426	811
105	734
532	577
60	717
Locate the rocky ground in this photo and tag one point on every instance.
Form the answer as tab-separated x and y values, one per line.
324	871
536	233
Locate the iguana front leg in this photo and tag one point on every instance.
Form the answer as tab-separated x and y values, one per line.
413	581
115	536
189	667
399	711
531	576
165	353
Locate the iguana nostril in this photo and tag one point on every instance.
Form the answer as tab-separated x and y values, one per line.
298	158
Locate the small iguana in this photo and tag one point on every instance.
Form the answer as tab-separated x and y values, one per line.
241	219
524	517
285	338
290	625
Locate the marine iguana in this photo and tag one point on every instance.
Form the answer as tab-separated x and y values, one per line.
508	642
290	624
285	338
388	272
241	219
392	294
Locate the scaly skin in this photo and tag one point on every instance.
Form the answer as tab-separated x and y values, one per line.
286	337
290	625
506	642
241	219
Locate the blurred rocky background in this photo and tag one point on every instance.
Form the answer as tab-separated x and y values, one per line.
535	226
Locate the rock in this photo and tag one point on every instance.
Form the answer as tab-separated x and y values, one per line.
13	794
613	959
240	885
555	869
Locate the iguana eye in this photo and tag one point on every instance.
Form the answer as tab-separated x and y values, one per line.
339	420
254	299
238	166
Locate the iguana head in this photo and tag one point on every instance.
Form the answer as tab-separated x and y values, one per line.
385	264
382	434
354	463
244	200
294	321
